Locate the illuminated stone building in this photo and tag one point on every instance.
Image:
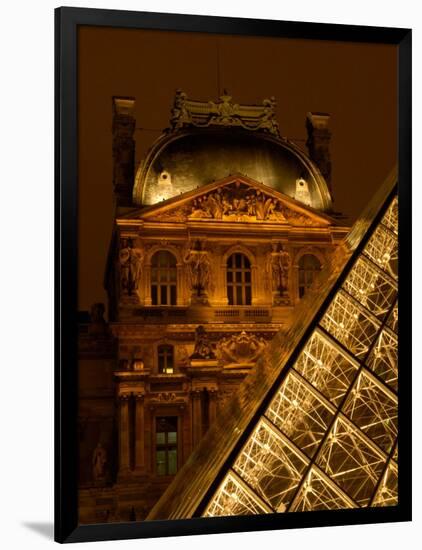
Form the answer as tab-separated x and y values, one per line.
315	426
217	237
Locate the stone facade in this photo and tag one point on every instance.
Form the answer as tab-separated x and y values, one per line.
198	284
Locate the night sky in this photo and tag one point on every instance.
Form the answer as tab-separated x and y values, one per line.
355	83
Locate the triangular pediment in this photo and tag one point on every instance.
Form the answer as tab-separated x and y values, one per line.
233	199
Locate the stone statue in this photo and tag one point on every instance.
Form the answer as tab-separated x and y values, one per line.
278	267
130	260
203	347
99	459
179	113
198	269
285	263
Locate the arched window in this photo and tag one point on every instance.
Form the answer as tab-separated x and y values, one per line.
165	359
163	279
309	267
239	280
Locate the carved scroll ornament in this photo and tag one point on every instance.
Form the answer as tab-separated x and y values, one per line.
187	112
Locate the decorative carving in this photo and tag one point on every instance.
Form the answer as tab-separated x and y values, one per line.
238	202
130	260
278	268
187	112
199	271
240	348
182	356
167	397
203	347
99	459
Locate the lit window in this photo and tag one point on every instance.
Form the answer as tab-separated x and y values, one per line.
166	445
239	277
165	359
163	279
309	267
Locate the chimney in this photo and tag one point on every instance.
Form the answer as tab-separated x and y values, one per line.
318	143
123	149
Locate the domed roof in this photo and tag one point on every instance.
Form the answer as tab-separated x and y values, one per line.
191	156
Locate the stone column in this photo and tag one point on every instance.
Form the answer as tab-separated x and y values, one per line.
139	432
124	461
147	285
180	290
221	294
212	412
256	297
196	417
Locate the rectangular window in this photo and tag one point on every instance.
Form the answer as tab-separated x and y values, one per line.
165	359
166	445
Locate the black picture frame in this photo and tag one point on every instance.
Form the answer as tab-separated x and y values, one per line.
67	21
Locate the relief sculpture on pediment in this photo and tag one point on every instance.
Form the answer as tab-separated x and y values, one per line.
237	203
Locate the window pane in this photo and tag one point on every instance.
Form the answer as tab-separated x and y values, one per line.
161	463
248	296
163	295
172	437
161	363
154	295
172	458
164	272
173	300
230	295
161	438
238	274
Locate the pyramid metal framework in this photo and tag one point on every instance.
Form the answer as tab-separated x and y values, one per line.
328	439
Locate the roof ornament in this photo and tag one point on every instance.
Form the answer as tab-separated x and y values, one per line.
187	112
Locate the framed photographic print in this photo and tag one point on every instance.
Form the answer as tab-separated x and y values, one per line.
233	233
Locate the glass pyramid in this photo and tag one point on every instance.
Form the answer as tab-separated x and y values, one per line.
320	431
328	438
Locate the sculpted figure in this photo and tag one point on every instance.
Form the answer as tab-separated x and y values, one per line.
130	260
99	459
179	113
203	348
199	269
285	263
278	267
